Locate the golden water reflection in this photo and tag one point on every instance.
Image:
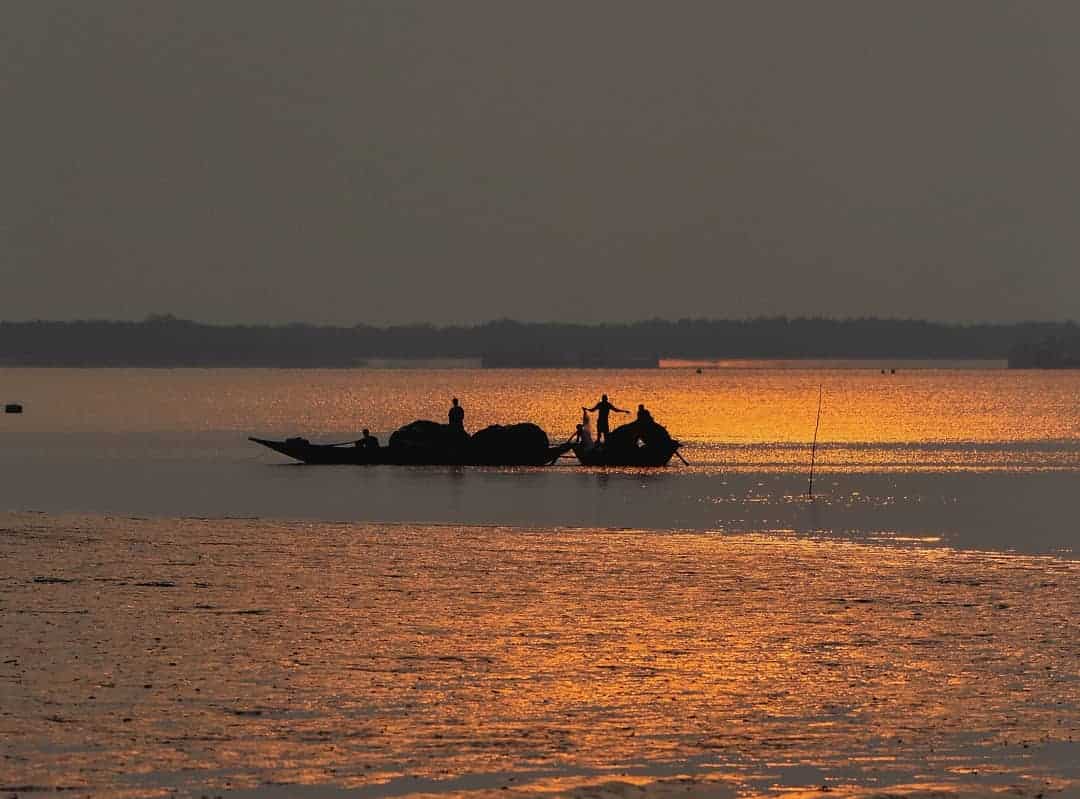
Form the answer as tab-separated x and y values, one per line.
757	419
726	406
153	654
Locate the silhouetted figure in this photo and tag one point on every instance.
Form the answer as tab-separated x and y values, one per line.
367	441
643	415
603	409
457	416
583	437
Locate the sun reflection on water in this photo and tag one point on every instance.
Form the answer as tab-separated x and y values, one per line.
760	419
247	652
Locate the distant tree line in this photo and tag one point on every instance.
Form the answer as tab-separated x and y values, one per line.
167	341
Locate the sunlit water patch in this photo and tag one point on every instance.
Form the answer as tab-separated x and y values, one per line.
744	407
144	656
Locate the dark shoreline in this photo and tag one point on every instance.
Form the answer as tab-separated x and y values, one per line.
168	342
437	364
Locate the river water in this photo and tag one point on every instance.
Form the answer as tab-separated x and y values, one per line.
978	458
183	611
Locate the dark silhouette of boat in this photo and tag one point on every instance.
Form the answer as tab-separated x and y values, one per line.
424	443
600	455
303	450
639	443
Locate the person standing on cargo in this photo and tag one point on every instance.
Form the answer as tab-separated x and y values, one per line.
457	416
603	409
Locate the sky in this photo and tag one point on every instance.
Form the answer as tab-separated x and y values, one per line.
385	162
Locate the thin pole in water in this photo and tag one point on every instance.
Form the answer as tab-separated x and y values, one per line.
813	448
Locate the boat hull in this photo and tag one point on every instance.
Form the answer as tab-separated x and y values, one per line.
324	454
641	456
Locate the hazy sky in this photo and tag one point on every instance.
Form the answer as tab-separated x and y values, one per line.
332	161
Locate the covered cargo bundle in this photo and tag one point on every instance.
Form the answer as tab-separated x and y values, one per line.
523	443
639	434
424	441
498	445
639	443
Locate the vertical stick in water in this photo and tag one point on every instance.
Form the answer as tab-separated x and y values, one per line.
813	448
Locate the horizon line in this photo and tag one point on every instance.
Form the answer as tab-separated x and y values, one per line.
172	318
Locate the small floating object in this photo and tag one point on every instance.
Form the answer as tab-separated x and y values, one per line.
13	407
699	370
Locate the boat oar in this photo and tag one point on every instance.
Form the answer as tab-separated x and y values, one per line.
341	443
569	453
680	457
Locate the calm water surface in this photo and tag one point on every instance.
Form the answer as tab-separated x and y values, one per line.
533	632
975	458
741	408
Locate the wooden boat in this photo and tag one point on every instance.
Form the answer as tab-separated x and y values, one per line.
600	455
424	443
304	451
639	443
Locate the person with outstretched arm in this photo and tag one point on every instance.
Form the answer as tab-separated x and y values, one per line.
603	409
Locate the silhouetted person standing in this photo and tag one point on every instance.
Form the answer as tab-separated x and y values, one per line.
367	441
603	409
457	416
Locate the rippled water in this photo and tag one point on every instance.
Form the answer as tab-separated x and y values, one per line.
741	411
972	458
732	406
244	654
709	628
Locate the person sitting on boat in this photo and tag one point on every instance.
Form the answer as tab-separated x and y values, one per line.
583	437
643	415
457	415
603	409
367	441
